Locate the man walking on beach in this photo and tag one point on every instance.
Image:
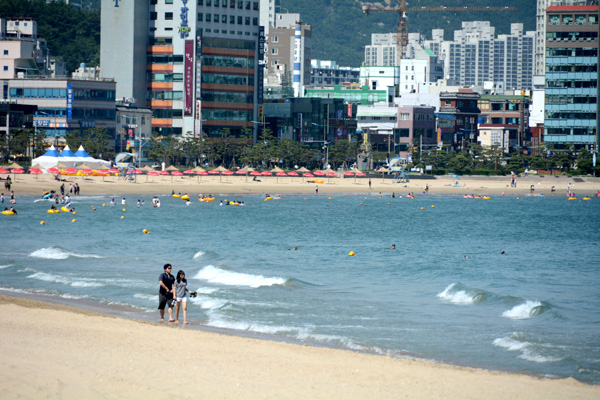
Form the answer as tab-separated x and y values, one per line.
165	292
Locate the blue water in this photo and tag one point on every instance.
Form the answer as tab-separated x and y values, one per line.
446	293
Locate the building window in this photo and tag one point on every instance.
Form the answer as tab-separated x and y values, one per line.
168	16
200	2
255	5
240	4
275	39
255	21
200	17
404	117
153	16
209	2
168	1
247	20
216	18
208	16
232	20
247	5
6	67
274	51
224	19
240	20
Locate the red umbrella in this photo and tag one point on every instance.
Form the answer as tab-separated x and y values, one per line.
255	173
308	175
177	173
18	171
227	172
319	173
70	171
361	174
188	172
4	171
113	171
348	173
266	173
213	172
331	174
104	172
50	170
241	172
202	173
292	173
35	171
281	174
87	171
153	173
164	173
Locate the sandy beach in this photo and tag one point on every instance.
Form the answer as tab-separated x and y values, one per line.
193	185
56	351
59	352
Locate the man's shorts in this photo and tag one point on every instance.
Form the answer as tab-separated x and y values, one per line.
162	301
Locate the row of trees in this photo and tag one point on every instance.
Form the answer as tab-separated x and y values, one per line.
266	152
270	151
26	144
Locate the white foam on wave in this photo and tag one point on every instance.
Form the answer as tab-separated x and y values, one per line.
522	311
145	296
5	266
213	274
332	339
458	297
53	253
249	326
199	254
208	303
75	282
529	351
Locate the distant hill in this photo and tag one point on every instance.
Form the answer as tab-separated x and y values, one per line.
341	30
71	33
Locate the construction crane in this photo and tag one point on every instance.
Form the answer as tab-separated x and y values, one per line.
402	28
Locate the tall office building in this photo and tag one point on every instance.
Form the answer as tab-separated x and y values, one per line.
193	62
540	28
476	56
571	76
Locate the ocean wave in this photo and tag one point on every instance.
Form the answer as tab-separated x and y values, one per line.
526	310
456	293
535	352
198	255
213	274
5	266
208	303
54	253
74	282
333	339
145	296
250	326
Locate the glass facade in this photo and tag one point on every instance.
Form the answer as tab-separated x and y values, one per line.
571	79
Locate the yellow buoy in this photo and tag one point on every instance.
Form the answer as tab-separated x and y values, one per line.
124	210
330	198
432	206
74	220
74	212
122	216
103	204
145	231
422	208
351	253
42	223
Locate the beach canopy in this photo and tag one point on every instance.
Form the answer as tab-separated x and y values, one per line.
81	153
302	170
47	160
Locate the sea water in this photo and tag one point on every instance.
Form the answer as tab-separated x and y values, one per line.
446	293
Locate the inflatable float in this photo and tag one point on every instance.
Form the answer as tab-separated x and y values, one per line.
176	196
184	197
7	212
53	211
65	209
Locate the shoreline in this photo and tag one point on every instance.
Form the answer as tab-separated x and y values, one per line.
68	337
36	184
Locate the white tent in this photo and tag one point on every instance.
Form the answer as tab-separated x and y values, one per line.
68	157
48	160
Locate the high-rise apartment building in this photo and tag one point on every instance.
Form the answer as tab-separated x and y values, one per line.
193	62
571	76
476	56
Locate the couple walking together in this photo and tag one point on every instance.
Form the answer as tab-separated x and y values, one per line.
173	291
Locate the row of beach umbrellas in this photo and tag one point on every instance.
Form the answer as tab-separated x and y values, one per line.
174	171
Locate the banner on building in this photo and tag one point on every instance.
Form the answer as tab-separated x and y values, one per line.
69	101
261	42
189	77
260	84
199	67
349	113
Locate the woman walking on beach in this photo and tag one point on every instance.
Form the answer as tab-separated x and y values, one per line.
181	292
